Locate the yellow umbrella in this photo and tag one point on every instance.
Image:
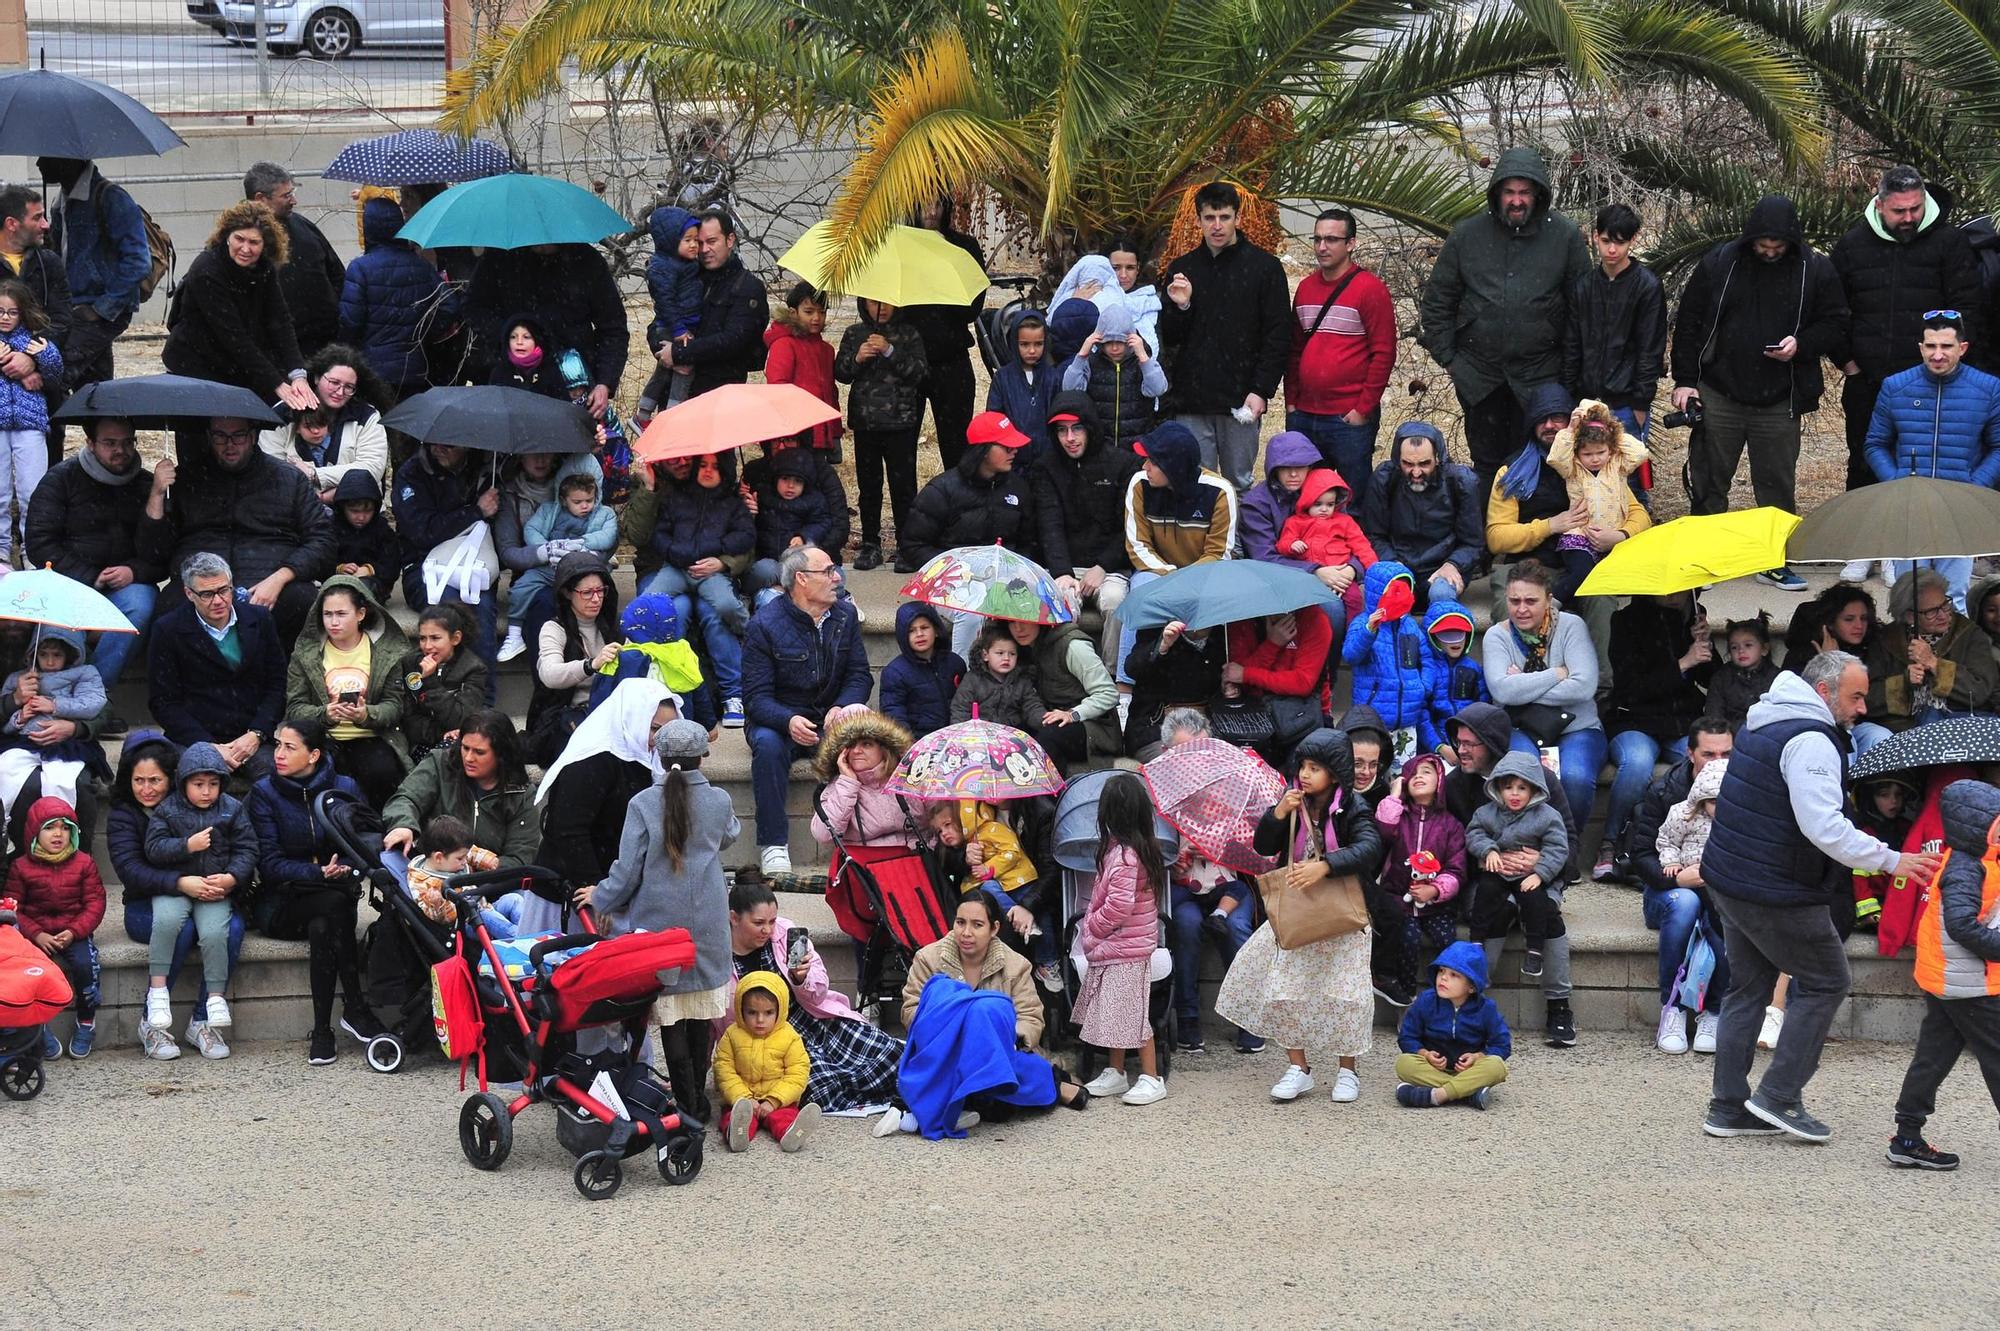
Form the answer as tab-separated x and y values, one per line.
913	266
1693	552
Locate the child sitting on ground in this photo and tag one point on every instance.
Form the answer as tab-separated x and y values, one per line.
1597	461
58	686
572	521
790	512
1455	1043
60	900
1517	816
761	1068
526	361
446	849
445	683
1748	673
795	352
1424	869
1885	807
656	648
996	684
365	546
919	685
207	836
673	279
1683	833
1322	531
1460	678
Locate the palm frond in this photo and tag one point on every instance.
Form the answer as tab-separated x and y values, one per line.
1723	195
1409	182
1775	88
1583	34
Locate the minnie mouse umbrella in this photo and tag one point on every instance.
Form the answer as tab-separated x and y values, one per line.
975	760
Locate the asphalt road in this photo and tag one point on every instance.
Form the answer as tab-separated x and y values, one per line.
262	1192
185	67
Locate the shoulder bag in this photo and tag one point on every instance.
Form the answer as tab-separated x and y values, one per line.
1332	906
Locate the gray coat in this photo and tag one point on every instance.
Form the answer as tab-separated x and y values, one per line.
641	890
233	847
1538	826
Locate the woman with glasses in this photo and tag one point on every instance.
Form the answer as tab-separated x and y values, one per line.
570	651
1928	662
351	438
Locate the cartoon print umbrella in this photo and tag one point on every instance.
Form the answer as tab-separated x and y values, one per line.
1214	793
975	760
1955	739
990	580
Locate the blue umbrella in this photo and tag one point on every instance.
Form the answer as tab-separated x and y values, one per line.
511	212
164	401
45	114
1222	592
418	157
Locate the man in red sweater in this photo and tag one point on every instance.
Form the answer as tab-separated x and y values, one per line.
1343	348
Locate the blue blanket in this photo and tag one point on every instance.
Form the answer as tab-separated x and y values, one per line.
962	1044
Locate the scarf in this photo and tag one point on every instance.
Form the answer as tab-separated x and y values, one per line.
527	362
57	857
102	474
1523	473
1535	645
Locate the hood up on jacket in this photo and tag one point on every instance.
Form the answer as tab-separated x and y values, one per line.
383	631
652	618
1363	722
1115	322
69	638
1438	773
147	742
1173	448
381	219
1975	604
862	727
200	757
1289	448
1070	324
1562	454
1526	766
1488	721
1079	405
668	224
763	982
1414	430
908	613
1523	164
1774	217
1468	959
1544	401
356	484
1789	698
1524	472
49	809
1446	614
1707	785
1970	810
1318	481
1912	787
1330	749
1376	581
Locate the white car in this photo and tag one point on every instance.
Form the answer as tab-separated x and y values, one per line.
331	29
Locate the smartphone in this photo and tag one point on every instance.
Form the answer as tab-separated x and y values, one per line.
795	949
351	697
1774	346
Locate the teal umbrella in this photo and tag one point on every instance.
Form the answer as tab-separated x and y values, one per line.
44	596
1222	592
511	212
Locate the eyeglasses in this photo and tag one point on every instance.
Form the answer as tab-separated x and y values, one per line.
212	594
831	570
337	387
1941	608
589	593
1942	314
232	436
1332	240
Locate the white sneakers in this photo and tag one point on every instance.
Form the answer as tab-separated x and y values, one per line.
1774	1026
1704	1032
1673	1030
514	644
776	861
1145	1091
159	1011
1346	1086
1295	1083
1107	1083
1857	570
157	1041
218	1011
802	1128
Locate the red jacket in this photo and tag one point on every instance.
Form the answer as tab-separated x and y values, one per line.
55	897
1345	365
1288	672
794	356
1122	922
1336	539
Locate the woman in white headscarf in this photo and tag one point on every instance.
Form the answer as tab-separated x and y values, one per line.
608	760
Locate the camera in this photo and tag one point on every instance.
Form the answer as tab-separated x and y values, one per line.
1684	420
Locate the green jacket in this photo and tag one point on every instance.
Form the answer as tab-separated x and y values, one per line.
502	820
1496	306
305	678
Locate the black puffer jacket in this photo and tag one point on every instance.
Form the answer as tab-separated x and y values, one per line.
82	526
568	290
728	343
958	507
1084	497
1648	691
1642	833
887	392
1890	283
262	517
311	279
231	324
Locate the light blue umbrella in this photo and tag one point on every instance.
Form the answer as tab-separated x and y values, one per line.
1223	591
41	596
511	212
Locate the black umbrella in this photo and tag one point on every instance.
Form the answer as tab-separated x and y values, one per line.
45	114
494	419
165	402
1955	739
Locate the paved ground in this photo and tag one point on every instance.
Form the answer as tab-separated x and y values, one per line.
261	1192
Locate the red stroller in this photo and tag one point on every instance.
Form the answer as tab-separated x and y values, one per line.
573	983
33	989
884	897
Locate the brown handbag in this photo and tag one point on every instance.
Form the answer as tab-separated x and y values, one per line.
1333	906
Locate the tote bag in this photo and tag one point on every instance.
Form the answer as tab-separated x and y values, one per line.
1329	908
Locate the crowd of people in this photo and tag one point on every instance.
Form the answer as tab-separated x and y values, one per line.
1119	444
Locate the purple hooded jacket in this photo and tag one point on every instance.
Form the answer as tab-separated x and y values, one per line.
1408	828
1265	507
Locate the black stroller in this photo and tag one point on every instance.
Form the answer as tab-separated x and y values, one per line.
1076	851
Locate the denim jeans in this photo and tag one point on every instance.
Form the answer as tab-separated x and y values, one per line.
135	601
1127	635
1633	753
771	756
139	928
1582	760
1189	910
1348	449
712	603
1674	912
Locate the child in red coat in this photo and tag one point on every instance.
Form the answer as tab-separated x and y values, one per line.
1323	531
795	353
61	901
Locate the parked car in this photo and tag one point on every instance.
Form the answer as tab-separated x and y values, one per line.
208	13
331	29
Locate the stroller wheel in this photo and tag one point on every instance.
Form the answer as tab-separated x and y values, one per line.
485	1130
22	1079
385	1054
680	1159
597	1175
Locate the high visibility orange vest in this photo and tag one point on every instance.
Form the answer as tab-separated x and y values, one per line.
1944	967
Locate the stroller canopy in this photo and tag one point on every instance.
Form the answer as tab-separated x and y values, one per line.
1076	823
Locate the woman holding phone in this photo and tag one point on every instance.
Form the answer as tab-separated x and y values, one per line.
345	673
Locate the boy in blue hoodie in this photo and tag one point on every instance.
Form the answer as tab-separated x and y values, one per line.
673	279
1023	388
1458	680
918	686
1455	1043
1394	671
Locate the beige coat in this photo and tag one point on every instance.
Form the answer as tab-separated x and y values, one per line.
1005	972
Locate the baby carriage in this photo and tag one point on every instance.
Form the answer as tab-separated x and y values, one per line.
890	901
524	1014
1076	851
33	989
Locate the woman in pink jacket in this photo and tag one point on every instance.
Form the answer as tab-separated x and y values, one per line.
1119	930
853	1063
854	761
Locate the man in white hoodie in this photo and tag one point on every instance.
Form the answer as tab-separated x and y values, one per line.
1780	849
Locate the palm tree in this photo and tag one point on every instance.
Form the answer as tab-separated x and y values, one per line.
1088	118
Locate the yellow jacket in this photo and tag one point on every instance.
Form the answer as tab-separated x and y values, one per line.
1011	868
773	1068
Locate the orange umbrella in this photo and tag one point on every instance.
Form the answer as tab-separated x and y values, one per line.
731	416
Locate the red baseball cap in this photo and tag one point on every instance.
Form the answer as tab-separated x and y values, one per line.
993	427
1064	418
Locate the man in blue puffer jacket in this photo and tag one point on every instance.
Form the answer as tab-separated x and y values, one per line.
389	300
1938	419
1394	672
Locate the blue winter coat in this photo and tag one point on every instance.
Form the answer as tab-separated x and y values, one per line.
23	408
1947	428
673	282
1026	404
388	294
694	523
1395	671
290	847
1475	1027
916	692
102	239
792	667
1455	685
